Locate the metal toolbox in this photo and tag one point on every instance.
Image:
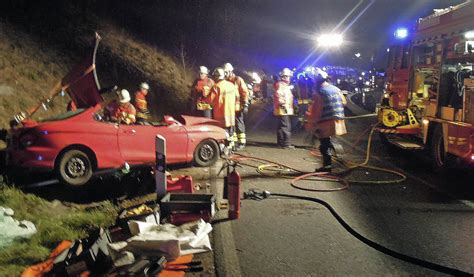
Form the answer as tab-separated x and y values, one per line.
175	204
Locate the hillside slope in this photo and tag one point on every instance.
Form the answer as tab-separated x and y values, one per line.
29	69
27	72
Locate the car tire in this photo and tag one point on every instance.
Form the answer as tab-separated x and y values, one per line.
74	168
206	153
441	160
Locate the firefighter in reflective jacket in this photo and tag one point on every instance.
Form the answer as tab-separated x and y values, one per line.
242	105
283	108
325	117
199	93
141	104
223	97
121	111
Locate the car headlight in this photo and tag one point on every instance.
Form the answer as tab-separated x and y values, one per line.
27	139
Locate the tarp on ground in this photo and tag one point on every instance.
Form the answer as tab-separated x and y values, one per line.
11	229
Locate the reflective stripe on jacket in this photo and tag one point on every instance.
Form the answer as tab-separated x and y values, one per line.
324	127
333	107
282	99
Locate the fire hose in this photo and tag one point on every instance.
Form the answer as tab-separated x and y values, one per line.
275	169
413	260
284	171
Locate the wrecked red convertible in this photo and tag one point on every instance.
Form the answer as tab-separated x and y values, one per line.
78	143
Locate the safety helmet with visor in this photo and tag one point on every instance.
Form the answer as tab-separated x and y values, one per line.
228	67
203	70
124	96
286	72
219	73
320	76
144	86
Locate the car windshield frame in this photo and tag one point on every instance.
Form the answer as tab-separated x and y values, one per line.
63	116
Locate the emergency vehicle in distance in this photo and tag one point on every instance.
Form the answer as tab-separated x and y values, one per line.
428	101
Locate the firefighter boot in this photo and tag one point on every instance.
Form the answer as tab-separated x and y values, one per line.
327	163
241	141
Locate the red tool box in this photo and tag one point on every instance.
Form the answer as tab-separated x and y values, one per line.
181	183
179	208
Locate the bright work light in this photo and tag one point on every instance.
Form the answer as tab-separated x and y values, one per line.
330	40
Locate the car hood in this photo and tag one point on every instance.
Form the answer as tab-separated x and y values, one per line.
81	82
194	120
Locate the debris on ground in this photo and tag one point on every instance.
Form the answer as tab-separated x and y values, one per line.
11	229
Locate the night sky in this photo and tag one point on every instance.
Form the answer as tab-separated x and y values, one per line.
289	27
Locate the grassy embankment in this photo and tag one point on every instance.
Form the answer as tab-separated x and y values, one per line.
54	222
29	68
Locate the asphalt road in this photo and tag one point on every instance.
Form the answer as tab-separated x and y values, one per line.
429	216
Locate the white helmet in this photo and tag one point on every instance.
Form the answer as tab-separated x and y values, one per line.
144	86
219	73
321	73
124	96
255	78
203	70
228	67
286	72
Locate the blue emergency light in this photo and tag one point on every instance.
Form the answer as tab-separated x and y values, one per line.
401	33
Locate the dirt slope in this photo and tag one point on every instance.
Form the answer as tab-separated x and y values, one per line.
29	68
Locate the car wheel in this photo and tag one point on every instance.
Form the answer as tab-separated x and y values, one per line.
206	153
74	168
441	160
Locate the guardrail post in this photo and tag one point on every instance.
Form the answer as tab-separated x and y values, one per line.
160	166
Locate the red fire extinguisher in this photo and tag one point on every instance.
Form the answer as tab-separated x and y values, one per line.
233	194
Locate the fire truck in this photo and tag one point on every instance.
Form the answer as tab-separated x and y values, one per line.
428	102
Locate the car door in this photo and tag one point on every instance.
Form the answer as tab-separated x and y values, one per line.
137	143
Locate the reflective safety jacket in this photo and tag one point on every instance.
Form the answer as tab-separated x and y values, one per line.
141	105
223	96
121	113
243	91
200	92
324	116
282	99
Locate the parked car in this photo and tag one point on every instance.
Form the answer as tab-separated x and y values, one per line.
77	143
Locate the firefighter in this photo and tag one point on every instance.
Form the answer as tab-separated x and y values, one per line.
141	104
325	117
200	91
121	111
283	108
242	105
223	97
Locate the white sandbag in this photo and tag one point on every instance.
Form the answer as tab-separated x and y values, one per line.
170	240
